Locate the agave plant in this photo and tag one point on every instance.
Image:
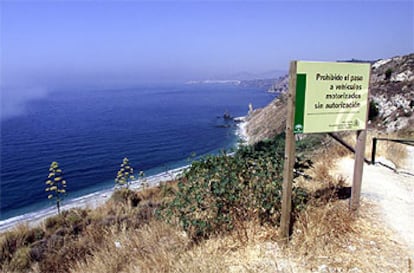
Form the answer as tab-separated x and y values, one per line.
56	184
125	174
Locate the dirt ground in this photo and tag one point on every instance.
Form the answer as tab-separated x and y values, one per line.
391	192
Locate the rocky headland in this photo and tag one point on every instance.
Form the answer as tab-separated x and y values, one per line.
391	101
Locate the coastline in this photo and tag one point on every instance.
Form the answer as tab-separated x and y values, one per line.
91	200
95	199
241	131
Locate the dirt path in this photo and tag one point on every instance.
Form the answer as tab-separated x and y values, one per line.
392	192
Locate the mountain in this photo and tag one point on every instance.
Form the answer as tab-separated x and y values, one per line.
263	80
391	101
246	76
280	85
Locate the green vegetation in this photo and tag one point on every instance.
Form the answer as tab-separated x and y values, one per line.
56	184
388	74
219	193
125	174
373	110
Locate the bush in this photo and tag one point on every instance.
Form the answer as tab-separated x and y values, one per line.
219	192
388	74
126	196
373	111
69	222
21	260
13	241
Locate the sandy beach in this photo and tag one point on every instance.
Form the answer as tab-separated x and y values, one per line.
98	198
91	200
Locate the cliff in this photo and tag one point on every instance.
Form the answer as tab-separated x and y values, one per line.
391	101
392	94
267	122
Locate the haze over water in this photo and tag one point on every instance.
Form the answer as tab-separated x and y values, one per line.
89	82
89	133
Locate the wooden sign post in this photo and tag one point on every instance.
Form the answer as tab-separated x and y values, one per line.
324	98
289	157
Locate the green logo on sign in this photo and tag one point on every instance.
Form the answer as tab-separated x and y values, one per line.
298	128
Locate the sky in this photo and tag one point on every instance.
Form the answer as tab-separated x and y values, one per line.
45	44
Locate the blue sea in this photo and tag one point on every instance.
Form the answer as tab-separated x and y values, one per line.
89	132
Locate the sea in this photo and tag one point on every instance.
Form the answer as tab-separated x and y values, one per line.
89	131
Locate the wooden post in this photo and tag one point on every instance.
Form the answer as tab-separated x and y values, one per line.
289	158
358	169
359	160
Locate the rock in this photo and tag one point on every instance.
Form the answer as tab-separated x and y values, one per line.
227	115
394	98
117	244
352	248
323	268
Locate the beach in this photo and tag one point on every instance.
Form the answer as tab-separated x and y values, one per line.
98	198
91	200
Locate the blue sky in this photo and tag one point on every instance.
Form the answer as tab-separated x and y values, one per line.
51	43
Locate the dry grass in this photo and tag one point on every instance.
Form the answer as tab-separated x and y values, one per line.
161	248
151	248
395	152
326	238
331	237
324	160
125	237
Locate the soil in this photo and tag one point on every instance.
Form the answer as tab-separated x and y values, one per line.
391	192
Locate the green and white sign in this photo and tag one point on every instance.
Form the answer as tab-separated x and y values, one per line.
331	97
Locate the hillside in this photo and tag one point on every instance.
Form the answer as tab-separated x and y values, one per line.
391	95
222	216
222	213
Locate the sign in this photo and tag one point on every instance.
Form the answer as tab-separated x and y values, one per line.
324	97
331	97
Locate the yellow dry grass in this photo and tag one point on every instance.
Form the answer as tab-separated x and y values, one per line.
331	238
393	151
326	237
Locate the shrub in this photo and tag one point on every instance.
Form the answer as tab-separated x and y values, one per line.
219	192
373	111
53	223
12	241
126	196
21	260
388	74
